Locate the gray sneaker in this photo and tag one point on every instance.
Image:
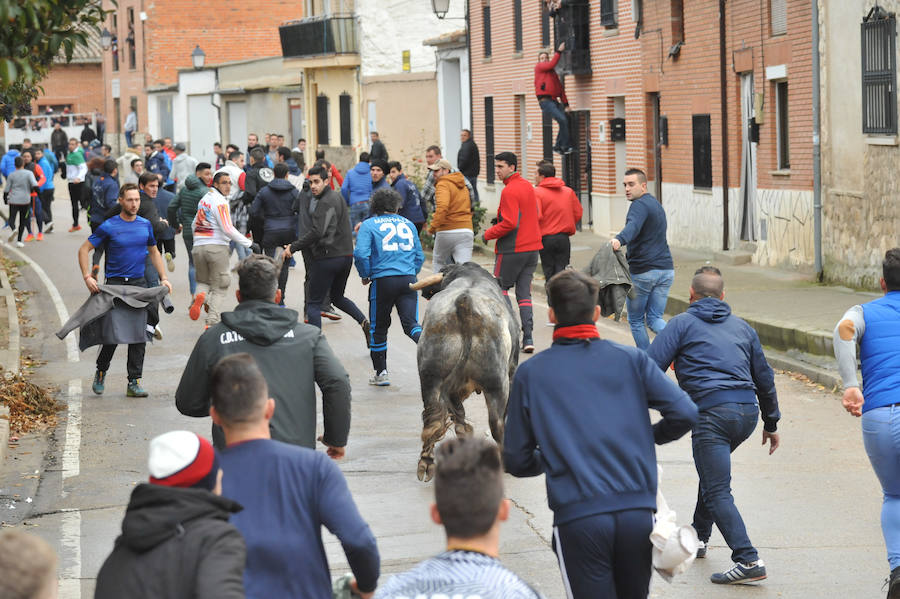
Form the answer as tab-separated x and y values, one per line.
741	573
380	380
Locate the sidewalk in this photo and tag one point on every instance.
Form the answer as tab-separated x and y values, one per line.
793	315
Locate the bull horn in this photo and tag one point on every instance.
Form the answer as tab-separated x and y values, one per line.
430	280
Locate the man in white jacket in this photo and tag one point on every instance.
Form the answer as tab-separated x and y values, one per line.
213	230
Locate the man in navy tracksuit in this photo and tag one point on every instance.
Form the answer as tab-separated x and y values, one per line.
720	363
588	429
388	253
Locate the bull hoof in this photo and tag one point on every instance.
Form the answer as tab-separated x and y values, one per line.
425	471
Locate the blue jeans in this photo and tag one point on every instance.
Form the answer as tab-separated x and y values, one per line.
716	435
647	308
881	437
558	114
358	213
242	252
192	272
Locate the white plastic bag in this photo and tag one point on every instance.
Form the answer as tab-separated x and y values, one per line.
674	547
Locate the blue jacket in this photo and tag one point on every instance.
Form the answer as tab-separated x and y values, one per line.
387	245
411	208
644	236
274	207
578	413
104	195
880	351
162	200
718	359
357	186
160	164
49	167
8	162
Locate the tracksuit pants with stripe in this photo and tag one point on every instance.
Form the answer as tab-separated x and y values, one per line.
384	294
606	555
517	270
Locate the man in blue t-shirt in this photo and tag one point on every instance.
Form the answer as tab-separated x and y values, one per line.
288	494
649	259
128	239
389	255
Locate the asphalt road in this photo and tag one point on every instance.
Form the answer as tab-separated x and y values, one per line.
812	509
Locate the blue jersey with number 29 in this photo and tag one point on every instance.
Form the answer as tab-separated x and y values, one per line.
387	245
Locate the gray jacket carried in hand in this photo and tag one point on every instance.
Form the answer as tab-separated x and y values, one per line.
105	321
610	269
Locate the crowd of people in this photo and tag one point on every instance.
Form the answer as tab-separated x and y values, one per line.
211	522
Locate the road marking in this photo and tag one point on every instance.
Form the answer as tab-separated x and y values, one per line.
70	527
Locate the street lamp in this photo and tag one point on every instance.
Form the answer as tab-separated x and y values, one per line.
440	7
105	39
198	58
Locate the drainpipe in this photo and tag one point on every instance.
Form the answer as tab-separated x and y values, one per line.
724	99
469	59
817	149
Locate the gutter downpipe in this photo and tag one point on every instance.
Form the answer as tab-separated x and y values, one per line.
724	100
817	149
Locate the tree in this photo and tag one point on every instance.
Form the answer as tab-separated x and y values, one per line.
32	34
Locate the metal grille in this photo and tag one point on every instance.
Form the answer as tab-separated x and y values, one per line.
573	25
489	138
322	120
609	13
702	151
486	24
319	35
879	75
577	165
545	24
547	131
517	23
344	106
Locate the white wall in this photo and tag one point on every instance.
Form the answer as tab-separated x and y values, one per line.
388	27
449	137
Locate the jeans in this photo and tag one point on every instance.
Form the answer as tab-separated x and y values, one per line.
558	114
881	437
716	435
358	213
242	252
128	135
192	271
646	309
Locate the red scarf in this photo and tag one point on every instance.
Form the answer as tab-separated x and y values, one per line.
578	331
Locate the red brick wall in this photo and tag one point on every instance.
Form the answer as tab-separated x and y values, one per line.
615	63
690	85
80	85
226	31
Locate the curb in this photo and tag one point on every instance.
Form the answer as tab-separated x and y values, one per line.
9	357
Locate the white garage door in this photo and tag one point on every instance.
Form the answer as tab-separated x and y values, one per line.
203	128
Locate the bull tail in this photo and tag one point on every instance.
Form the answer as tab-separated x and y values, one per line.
468	321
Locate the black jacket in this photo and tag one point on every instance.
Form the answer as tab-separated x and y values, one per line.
272	335
378	151
273	208
467	160
330	234
175	543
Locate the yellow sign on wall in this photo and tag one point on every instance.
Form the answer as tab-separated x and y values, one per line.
406	66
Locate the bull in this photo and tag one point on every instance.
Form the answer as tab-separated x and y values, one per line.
469	343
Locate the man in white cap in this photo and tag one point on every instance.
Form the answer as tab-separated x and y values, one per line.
176	540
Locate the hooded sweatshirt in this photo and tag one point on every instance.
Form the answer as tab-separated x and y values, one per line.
357	187
175	543
558	207
718	359
272	335
452	205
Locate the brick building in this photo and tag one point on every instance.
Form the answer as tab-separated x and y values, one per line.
760	148
152	40
601	71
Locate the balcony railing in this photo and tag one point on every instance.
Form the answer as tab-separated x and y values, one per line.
317	36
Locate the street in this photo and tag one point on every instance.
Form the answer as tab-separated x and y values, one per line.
812	508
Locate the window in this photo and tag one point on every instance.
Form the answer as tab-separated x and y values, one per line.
702	151
547	130
517	24
545	25
609	13
778	16
344	106
129	41
114	42
677	21
781	124
879	73
489	138
574	26
486	23
322	120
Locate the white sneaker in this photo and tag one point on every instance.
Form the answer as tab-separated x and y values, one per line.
170	263
157	333
48	227
380	380
19	244
550	324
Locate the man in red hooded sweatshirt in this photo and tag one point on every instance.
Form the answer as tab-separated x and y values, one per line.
552	97
518	238
559	210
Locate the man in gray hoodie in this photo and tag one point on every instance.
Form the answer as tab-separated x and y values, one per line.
17	194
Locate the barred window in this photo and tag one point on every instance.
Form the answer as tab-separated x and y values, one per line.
702	151
609	13
489	138
879	73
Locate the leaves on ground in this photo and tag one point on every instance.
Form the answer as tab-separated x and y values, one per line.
31	407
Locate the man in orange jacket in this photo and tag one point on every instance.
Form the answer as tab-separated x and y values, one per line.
559	210
451	224
518	238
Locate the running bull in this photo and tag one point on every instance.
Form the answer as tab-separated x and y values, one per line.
469	343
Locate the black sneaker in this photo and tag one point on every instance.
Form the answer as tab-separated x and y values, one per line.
741	573
893	584
701	550
365	327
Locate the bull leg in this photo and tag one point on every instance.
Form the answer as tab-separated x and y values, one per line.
458	416
496	406
435	422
